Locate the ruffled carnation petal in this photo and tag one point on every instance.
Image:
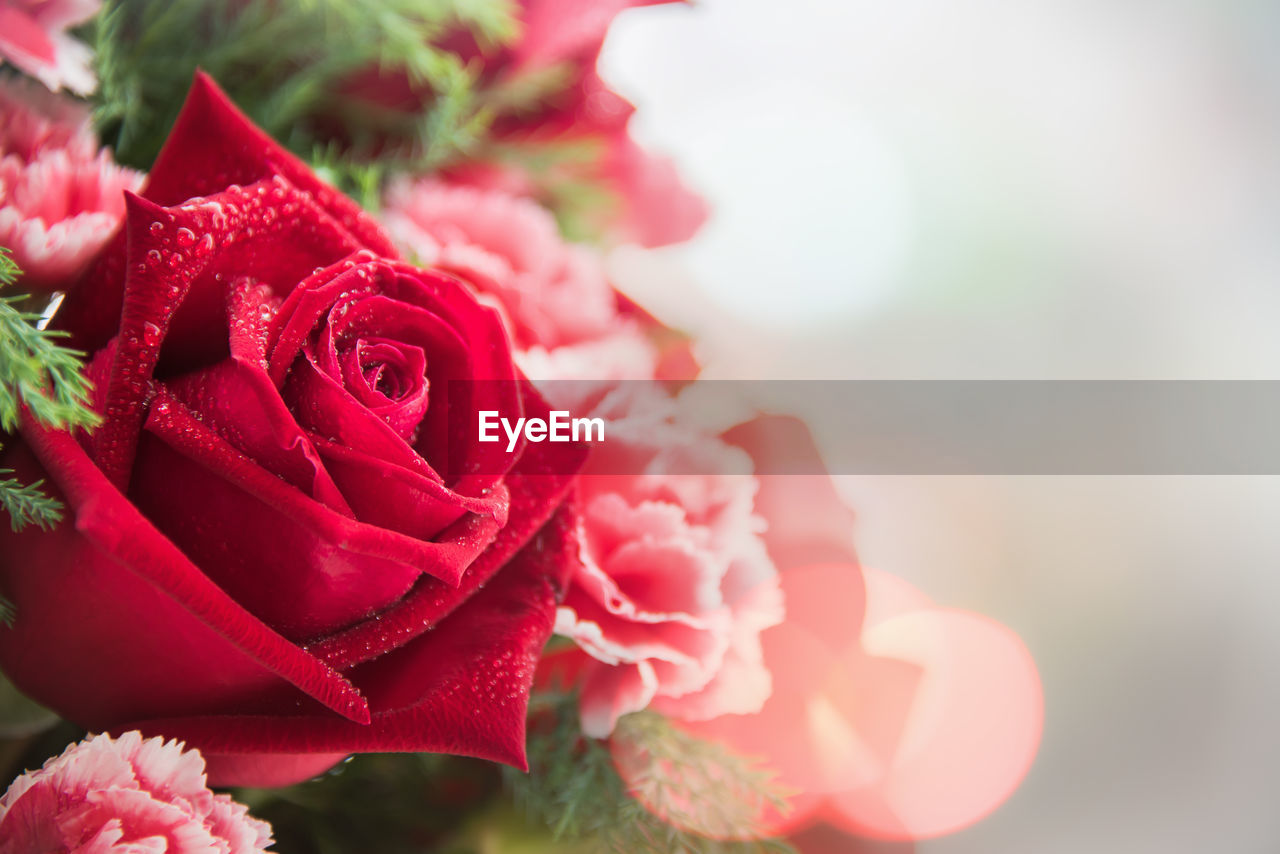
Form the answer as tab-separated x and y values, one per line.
554	293
675	584
33	37
608	693
125	796
61	199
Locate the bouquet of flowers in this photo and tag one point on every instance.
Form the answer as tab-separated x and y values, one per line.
264	264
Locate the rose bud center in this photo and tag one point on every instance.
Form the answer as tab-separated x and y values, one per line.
387	376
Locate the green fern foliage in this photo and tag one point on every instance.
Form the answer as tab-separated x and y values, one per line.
291	67
44	378
574	787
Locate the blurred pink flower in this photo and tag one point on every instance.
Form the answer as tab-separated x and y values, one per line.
33	37
125	796
675	585
560	308
655	206
660	209
566	30
891	718
60	197
573	139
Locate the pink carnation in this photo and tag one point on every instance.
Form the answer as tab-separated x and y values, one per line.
60	197
33	37
560	308
675	585
125	796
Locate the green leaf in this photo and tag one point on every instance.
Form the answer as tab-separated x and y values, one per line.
394	803
26	504
565	177
20	716
34	370
289	66
574	787
45	378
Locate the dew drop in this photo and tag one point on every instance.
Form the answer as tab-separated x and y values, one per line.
186	237
150	334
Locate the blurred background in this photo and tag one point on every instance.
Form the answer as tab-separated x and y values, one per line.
1050	189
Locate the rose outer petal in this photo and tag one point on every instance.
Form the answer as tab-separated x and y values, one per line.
237	401
324	570
112	582
181	266
212	146
400	499
542	476
426	695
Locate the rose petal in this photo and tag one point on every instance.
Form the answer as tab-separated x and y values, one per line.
537	484
325	571
212	145
264	431
391	496
425	695
176	629
181	264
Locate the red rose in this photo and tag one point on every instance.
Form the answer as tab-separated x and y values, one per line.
266	554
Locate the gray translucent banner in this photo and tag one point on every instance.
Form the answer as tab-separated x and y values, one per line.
966	427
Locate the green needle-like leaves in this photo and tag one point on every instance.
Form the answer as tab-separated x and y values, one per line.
44	378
